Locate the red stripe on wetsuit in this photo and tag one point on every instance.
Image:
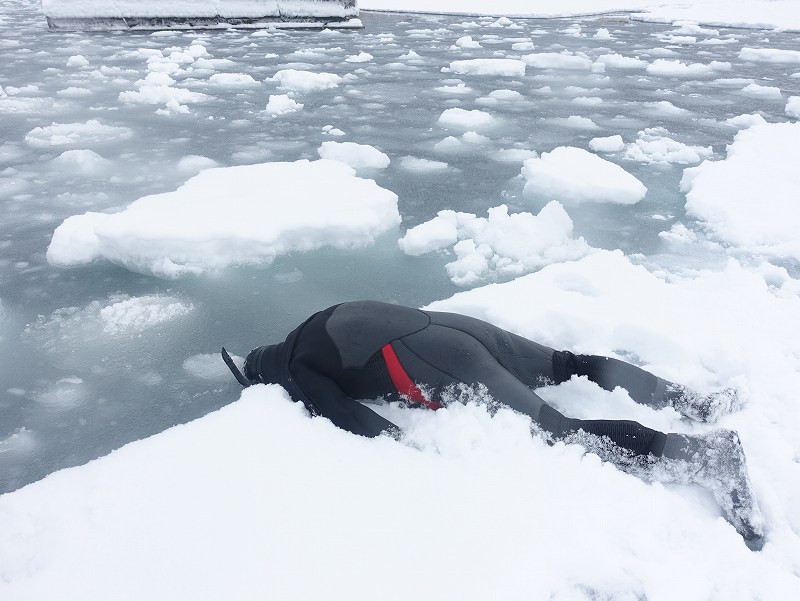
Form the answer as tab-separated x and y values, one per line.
402	382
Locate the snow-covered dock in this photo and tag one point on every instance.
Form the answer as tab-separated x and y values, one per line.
194	14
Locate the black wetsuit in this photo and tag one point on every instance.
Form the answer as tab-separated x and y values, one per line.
369	350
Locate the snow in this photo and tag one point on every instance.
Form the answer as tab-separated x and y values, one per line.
66	530
281	104
458	118
575	175
232	216
501	244
489	66
750	198
607	144
653	145
305	81
358	156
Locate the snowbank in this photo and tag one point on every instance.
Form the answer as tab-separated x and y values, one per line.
500	245
230	504
232	216
576	175
750	200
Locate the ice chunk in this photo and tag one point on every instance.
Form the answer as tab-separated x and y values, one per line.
77	61
281	104
233	80
210	367
361	57
576	122
770	55
66	393
754	90
358	156
793	107
512	155
749	200
558	60
499	245
489	66
194	163
745	121
137	314
232	216
84	161
607	144
91	133
617	61
305	81
463	119
419	165
674	68
653	145
575	175
466	42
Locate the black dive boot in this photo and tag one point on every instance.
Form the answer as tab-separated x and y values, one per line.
716	462
696	406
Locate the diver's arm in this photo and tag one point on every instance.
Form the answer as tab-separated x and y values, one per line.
325	396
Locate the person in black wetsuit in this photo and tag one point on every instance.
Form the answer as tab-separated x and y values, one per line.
372	350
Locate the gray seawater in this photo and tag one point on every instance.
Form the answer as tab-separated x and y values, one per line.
133	387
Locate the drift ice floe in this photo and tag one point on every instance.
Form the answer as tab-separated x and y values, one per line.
186	14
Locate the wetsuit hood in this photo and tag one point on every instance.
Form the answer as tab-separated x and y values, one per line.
263	364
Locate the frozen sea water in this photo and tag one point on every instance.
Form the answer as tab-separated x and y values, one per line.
94	357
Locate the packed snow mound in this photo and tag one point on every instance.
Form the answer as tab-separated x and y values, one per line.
750	200
499	245
358	156
653	145
240	215
85	526
575	175
489	66
305	81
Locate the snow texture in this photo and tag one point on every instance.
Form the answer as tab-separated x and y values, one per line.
232	216
574	175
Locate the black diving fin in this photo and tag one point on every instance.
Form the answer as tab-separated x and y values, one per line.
235	370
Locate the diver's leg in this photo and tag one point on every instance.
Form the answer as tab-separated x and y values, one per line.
644	387
714	461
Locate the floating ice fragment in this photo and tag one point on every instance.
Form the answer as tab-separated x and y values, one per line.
77	61
793	107
232	216
305	81
490	66
358	156
770	55
194	163
281	104
754	90
677	69
654	146
361	57
607	144
233	80
210	367
556	60
618	61
83	161
419	165
575	175
463	119
76	134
